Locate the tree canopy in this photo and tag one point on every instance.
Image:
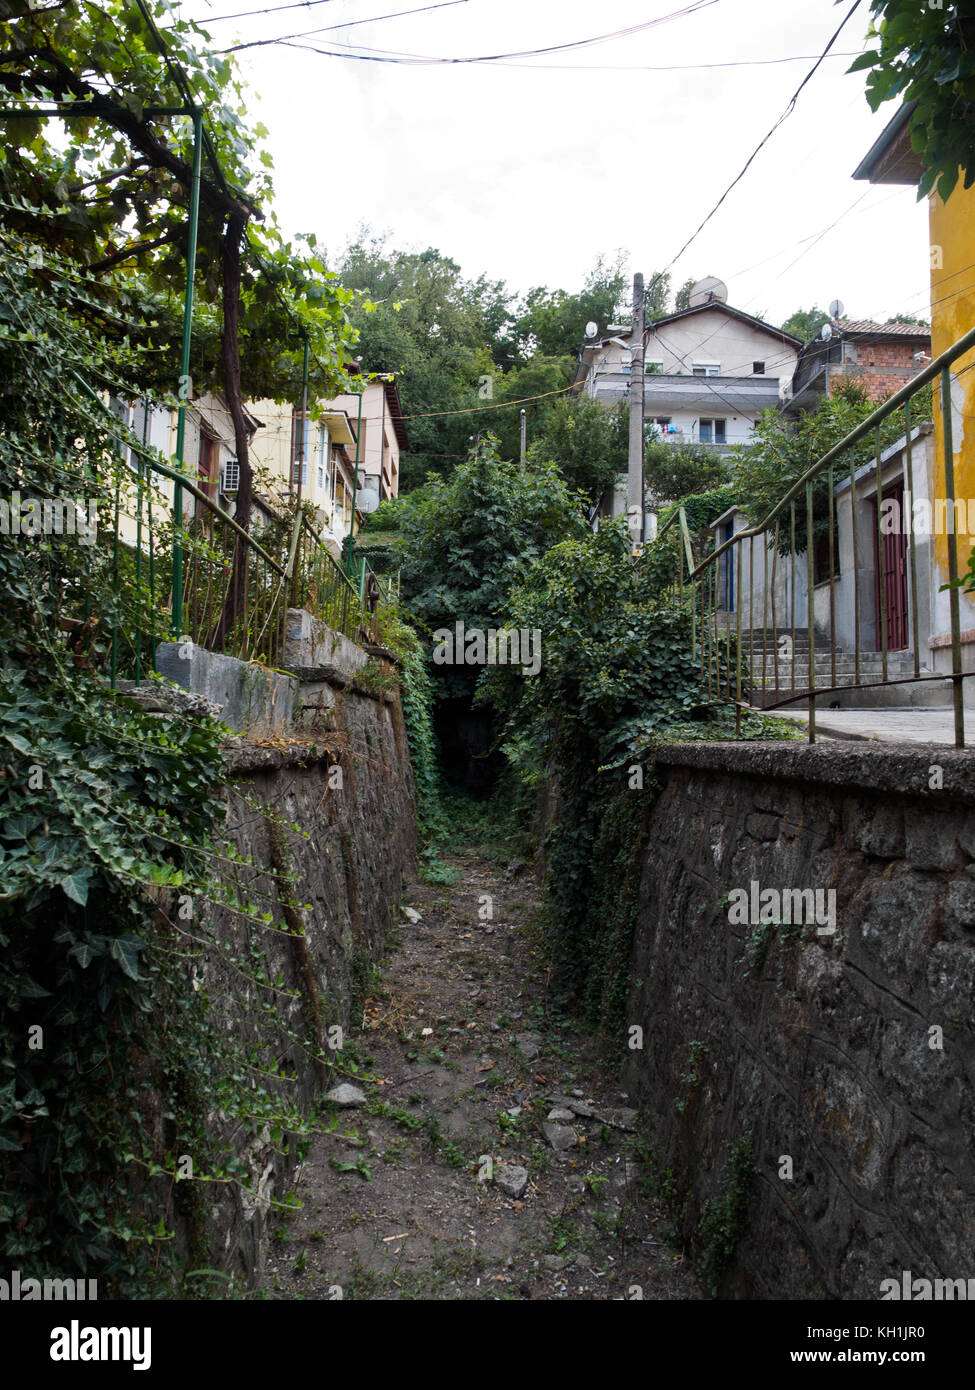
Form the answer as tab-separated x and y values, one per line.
925	54
468	540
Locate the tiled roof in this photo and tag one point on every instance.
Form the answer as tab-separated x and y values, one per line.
906	330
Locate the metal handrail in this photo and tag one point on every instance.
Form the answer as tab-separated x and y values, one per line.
872	421
203	577
701	579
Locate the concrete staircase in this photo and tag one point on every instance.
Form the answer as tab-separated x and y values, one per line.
774	659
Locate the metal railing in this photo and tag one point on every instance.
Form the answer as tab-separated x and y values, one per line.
823	597
184	569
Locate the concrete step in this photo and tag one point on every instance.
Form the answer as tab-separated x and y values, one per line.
842	669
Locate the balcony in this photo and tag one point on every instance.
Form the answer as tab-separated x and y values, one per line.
701	395
707	395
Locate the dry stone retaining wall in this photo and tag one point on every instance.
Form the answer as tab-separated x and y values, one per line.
850	1054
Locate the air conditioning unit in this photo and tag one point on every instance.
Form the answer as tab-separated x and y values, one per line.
230	476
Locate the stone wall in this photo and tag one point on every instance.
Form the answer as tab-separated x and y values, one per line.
348	861
848	1053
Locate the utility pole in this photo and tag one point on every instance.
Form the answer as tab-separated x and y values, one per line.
634	484
524	433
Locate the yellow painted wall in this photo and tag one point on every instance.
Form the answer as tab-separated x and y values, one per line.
953	315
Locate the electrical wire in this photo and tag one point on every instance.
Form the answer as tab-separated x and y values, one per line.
271	9
497	405
761	145
416	59
348	24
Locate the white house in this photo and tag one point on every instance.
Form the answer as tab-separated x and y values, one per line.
709	370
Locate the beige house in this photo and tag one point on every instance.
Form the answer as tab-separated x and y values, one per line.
321	457
209	448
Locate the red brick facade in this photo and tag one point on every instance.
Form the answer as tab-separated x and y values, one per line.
880	368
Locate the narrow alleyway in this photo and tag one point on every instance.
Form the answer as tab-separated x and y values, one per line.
462	1061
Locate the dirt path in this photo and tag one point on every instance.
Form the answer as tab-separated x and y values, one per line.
461	1069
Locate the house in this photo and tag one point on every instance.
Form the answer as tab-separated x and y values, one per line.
709	371
893	160
325	472
321	458
382	435
879	357
881	583
766	590
209	447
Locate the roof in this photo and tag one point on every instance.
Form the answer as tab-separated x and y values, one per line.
867	328
892	158
728	309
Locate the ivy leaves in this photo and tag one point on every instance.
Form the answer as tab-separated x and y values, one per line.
925	54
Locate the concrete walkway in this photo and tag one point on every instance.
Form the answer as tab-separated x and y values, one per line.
909	725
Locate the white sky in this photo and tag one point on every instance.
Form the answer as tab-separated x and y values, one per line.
528	171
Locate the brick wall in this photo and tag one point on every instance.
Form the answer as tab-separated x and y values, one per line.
880	368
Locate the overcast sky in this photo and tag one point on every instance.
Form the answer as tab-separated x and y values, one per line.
529	169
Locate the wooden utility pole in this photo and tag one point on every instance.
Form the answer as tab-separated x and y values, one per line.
634	487
524	434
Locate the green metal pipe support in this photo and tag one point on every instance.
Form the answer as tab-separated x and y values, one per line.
184	379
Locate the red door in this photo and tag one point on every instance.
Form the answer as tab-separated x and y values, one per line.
895	570
206	471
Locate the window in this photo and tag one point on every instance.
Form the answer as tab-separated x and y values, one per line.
653	368
706	368
758	368
205	468
300	428
230	481
324	450
713	432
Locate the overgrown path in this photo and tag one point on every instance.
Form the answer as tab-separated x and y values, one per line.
462	1061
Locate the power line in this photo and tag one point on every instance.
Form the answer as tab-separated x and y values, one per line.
498	405
271	9
668	67
349	24
761	145
379	55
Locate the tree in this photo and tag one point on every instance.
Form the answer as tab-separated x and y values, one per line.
673	471
782	452
806	323
536	386
114	197
682	299
447	339
466	542
925	54
587	443
553	322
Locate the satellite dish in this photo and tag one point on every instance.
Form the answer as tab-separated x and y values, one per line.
826	332
367	499
836	309
591	329
708	289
